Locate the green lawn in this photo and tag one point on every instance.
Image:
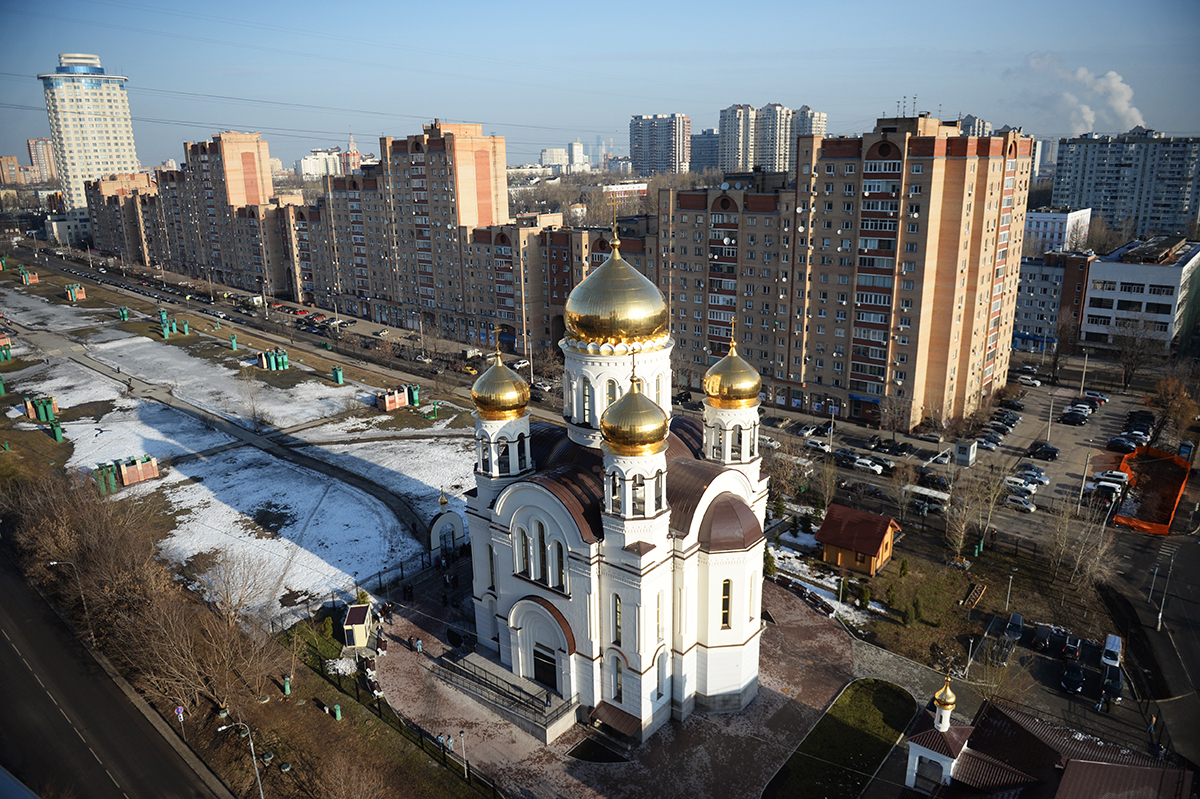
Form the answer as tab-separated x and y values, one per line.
841	753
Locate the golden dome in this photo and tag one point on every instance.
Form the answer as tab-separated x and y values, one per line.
500	393
634	425
731	382
945	698
616	304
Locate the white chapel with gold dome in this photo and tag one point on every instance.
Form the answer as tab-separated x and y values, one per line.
618	559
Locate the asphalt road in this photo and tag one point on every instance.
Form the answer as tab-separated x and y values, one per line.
65	723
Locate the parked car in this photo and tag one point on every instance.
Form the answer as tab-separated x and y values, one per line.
1096	395
1015	627
682	397
1113	685
1012	405
1027	369
884	462
424	359
1072	678
873	442
1073	419
519	364
1026	380
766	442
1121	445
1013	481
806	431
818	444
934	438
1035	478
1112	476
1071	647
868	465
542	385
1041	638
1020	503
1086	410
984	444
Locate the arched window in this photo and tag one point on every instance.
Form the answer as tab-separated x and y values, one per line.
639	496
615	493
616	619
502	456
735	443
611	392
658	492
753	441
543	573
658	399
524	552
585	402
486	459
726	596
618	677
560	567
658	620
521	450
662	674
491	566
718	447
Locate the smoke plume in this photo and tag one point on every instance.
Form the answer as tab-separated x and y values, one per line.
1107	97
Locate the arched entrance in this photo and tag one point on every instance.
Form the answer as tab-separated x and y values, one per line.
447	532
542	644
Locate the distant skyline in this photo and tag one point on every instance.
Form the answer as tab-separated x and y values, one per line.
542	75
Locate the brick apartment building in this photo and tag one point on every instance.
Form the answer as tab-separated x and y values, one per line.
888	276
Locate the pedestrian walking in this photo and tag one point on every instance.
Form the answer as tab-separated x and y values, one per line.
410	643
420	649
450	743
1153	721
441	739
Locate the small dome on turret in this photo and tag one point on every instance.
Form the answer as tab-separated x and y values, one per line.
634	424
732	382
500	393
616	304
945	698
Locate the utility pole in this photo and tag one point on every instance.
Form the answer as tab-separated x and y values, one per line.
1049	420
1082	483
1083	377
1162	602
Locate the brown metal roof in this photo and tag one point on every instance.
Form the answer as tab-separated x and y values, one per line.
729	525
357	614
687	480
988	774
639	548
580	492
855	530
619	720
687	438
1083	779
948	743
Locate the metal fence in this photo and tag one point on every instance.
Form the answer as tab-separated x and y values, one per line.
539	708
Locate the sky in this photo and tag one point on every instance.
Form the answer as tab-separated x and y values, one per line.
543	74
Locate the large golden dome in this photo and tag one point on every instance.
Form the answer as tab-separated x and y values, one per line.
731	382
615	305
945	698
500	393
634	425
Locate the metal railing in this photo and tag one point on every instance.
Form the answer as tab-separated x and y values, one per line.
540	708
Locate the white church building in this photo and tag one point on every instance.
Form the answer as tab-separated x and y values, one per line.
618	559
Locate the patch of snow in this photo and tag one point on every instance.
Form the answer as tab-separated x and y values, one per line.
39	313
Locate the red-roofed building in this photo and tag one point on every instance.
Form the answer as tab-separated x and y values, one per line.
856	539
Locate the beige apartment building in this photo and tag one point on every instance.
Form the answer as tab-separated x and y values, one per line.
114	208
41	156
883	287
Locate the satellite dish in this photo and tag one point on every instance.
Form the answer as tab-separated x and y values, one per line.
724	187
737	186
726	240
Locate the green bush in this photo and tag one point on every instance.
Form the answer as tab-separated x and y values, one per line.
362	597
904	567
327	627
916	606
768	562
866	596
891	595
910	616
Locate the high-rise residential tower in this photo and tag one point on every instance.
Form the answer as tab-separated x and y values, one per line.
765	138
89	125
1141	182
41	155
660	143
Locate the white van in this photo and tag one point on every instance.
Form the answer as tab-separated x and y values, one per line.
1112	651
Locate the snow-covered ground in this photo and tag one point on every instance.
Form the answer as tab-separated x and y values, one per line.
217	388
41	314
370	426
824	585
328	532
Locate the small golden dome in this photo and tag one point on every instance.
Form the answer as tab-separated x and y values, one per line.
731	382
500	393
616	304
945	698
634	425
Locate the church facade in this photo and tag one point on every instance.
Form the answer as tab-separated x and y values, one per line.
618	559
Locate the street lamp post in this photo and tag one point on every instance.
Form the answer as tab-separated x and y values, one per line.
1083	377
253	757
970	657
78	579
1162	603
462	736
1008	596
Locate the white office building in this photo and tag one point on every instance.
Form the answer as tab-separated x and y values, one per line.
764	138
1050	228
90	127
1142	289
319	163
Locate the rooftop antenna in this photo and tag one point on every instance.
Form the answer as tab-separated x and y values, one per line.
897	108
914	105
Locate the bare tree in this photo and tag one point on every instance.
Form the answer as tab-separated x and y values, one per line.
1066	334
1135	347
234	583
825	481
902	477
251	390
1175	396
347	777
1104	239
1062	537
895	414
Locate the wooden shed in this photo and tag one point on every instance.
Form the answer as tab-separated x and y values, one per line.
856	539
